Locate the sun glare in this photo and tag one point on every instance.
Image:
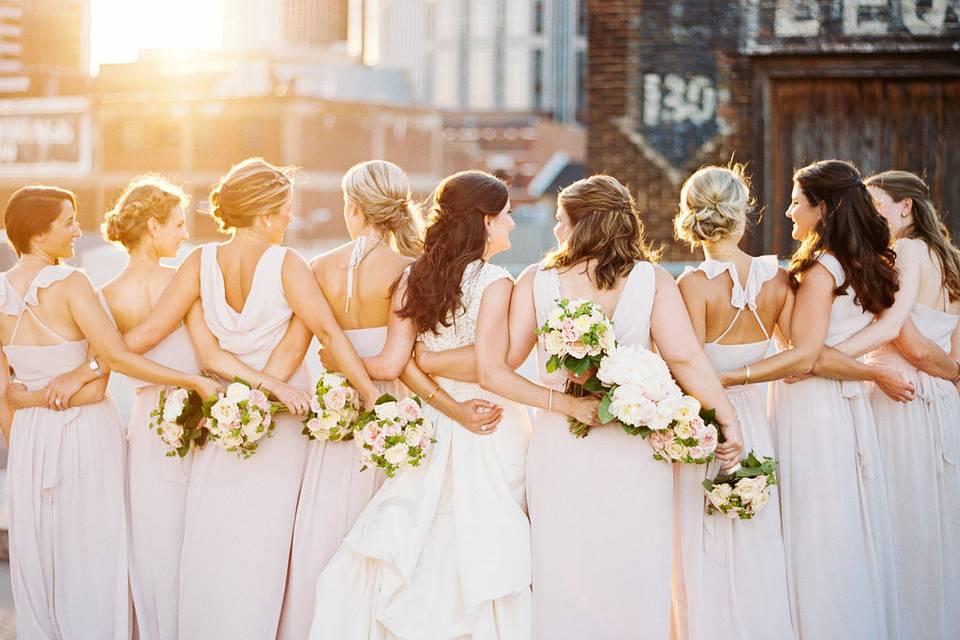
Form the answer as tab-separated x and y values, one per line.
120	28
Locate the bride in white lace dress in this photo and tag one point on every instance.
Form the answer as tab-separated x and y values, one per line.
443	550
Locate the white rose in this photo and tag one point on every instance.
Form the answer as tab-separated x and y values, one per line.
553	343
332	380
313	426
718	496
582	325
172	432
335	399
174	405
675	450
555	321
387	411
255	419
252	430
224	411
760	500
746	489
684	430
238	392
413	436
396	454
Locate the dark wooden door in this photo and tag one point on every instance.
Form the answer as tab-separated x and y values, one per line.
878	123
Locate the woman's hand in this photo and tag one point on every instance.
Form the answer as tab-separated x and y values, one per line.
583	409
728	451
60	390
295	400
730	379
479	416
206	387
893	384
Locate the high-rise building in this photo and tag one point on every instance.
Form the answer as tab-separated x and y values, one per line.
283	26
56	34
480	55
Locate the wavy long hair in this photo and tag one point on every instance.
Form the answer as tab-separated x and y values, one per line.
605	227
455	237
852	230
927	223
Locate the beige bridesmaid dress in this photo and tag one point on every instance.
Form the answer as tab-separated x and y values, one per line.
601	508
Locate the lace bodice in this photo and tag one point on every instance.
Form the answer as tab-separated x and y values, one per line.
462	331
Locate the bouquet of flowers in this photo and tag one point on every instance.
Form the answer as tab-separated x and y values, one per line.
577	335
177	420
394	435
743	493
334	407
240	417
647	401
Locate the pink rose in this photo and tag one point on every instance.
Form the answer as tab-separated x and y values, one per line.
259	400
697	453
380	444
577	349
335	399
410	410
392	429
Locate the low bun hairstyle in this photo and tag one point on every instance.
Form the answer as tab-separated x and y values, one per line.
381	191
30	212
605	226
251	189
456	235
714	204
146	197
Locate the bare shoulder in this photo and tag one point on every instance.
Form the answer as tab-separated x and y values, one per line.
911	249
692	280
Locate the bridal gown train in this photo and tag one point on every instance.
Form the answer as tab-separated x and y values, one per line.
442	550
68	527
239	517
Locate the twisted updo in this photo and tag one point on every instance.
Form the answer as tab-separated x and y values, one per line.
714	204
381	191
251	189
605	226
144	198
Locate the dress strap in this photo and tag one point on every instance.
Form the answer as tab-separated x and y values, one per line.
355	257
24	307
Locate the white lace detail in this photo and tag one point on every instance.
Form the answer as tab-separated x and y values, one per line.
462	330
762	270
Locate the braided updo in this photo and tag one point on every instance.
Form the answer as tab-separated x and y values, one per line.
146	197
714	204
251	189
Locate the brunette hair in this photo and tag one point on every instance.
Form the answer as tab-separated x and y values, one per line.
381	191
30	212
144	198
605	227
927	224
852	230
454	238
251	189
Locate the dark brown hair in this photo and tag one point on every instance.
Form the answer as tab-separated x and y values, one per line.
455	237
927	224
30	212
605	227
852	230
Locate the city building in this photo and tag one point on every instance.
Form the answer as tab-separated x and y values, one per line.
284	26
776	83
480	55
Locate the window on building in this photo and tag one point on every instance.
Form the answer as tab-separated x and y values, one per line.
538	79
582	17
581	87
538	16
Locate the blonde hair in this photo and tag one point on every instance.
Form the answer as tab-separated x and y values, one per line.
146	197
251	189
714	204
381	191
605	226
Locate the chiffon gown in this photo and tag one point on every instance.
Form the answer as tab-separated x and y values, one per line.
601	508
736	568
240	513
68	526
836	521
442	550
334	493
919	462
157	486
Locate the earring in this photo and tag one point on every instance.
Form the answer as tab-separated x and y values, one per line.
269	225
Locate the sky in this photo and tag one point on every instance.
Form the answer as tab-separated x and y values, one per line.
119	28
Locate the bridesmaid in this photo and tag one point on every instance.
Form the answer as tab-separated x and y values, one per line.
833	499
357	279
240	513
739	564
68	531
585	495
918	439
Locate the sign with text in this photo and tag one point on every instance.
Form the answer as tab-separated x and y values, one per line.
45	137
857	26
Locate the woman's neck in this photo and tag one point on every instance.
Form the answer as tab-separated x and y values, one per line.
723	251
143	255
38	258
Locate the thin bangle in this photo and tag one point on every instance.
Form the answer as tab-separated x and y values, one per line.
550	401
957	379
433	393
746	379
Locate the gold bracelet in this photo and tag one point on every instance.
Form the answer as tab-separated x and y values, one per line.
550	402
957	379
746	379
433	393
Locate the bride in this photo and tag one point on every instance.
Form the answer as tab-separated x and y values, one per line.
443	550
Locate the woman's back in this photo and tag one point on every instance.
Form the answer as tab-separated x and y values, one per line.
48	320
133	294
376	268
